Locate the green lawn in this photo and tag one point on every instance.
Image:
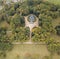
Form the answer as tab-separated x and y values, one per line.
21	51
55	1
34	51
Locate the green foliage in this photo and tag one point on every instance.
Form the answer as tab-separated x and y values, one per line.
24	10
35	34
58	29
30	2
17	21
3	35
40	35
16	6
4	40
13	14
27	31
7	7
3	17
54	47
33	2
46	23
21	34
5	46
11	11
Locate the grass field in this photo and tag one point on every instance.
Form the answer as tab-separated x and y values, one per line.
22	51
57	2
34	51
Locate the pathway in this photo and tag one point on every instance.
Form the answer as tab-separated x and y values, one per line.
40	43
31	25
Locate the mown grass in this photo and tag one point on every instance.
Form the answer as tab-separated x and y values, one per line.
23	51
29	50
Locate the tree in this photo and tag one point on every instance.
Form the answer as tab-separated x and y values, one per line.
24	10
17	21
46	22
3	17
36	10
5	42
5	46
21	34
11	11
33	2
36	34
58	29
4	36
27	31
16	5
54	8
54	47
30	2
40	35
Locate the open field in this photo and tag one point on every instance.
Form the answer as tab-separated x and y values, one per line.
23	50
34	51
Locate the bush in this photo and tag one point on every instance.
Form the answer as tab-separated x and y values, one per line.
21	34
24	10
17	21
54	47
11	12
3	17
30	2
5	46
16	5
39	35
58	29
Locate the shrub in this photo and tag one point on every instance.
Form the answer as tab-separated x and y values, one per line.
58	29
5	46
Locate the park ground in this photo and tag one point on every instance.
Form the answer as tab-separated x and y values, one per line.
21	51
29	50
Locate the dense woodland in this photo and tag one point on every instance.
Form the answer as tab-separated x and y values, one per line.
12	24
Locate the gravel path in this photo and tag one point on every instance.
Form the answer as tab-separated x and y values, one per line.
31	26
40	43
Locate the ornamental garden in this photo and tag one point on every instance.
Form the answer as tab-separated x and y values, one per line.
34	22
